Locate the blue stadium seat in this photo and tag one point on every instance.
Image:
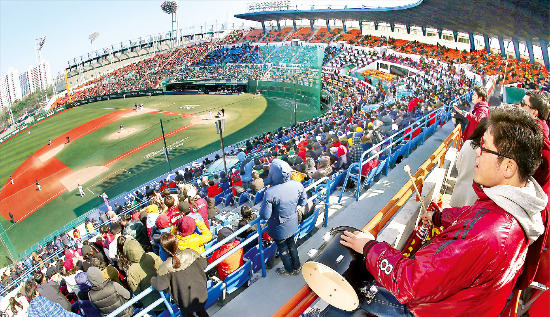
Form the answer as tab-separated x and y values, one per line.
214	293
244	198
308	224
210	243
259	196
238	278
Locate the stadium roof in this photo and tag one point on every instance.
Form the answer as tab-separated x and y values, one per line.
524	20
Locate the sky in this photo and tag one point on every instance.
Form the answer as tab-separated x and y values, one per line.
67	25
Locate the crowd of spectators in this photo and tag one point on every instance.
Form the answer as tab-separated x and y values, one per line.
145	74
152	244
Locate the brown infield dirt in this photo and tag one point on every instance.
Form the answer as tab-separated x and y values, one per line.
122	134
56	178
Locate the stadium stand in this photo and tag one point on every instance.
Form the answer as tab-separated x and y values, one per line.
360	142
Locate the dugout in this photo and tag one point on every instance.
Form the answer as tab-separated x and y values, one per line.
206	87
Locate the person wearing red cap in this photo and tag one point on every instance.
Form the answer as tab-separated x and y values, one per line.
187	238
162	225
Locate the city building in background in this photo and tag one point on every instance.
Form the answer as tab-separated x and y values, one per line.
10	88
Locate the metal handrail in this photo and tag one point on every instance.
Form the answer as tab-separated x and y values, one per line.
298	303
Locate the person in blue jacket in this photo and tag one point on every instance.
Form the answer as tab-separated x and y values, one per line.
245	169
279	207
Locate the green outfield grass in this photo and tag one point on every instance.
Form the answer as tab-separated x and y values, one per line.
247	115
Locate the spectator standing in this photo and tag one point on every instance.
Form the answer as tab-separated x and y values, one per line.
143	266
463	192
481	110
50	290
183	275
279	208
107	296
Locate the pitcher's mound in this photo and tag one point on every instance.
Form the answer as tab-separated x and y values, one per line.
122	134
207	119
51	153
82	176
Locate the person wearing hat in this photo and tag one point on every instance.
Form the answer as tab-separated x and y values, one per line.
187	238
279	208
234	261
143	266
183	276
162	225
106	295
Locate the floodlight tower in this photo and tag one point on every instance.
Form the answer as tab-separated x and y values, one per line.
171	7
92	37
38	45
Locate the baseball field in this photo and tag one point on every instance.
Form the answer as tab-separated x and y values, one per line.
111	147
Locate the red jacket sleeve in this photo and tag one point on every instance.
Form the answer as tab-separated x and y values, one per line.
477	115
447	216
437	272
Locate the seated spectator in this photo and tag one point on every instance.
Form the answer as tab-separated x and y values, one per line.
309	166
182	274
143	266
247	216
187	238
106	295
198	205
161	226
40	306
136	230
323	170
212	210
536	103
50	290
171	203
234	261
213	189
257	183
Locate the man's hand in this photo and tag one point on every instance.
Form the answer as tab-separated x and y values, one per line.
356	240
463	113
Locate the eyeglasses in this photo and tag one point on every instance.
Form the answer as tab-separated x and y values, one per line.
482	149
524	104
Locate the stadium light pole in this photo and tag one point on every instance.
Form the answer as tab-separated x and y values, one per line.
171	7
92	37
220	128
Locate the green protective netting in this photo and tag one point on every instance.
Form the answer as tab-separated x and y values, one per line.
292	73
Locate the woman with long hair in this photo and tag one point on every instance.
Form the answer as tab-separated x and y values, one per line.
15	308
183	275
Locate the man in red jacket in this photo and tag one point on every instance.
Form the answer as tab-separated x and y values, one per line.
536	103
481	110
471	267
